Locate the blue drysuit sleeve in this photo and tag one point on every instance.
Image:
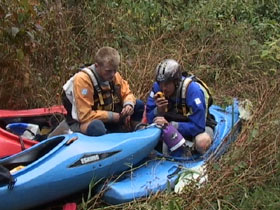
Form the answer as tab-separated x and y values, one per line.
195	101
151	108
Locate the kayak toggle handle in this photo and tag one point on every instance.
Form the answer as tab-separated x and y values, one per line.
70	141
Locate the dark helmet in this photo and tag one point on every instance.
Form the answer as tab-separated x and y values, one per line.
168	70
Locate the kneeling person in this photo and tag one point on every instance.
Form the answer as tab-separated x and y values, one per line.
185	105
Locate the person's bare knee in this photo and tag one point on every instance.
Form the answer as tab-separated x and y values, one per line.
202	142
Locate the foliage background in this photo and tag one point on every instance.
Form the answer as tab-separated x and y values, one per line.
233	45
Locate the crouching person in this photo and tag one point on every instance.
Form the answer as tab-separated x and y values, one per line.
98	100
181	105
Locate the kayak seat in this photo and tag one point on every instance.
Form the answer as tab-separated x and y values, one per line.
34	153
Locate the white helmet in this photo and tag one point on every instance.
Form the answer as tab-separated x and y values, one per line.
168	70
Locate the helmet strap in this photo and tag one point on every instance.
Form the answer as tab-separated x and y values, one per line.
177	83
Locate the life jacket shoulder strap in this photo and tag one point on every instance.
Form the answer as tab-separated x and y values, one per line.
203	84
187	81
184	91
95	84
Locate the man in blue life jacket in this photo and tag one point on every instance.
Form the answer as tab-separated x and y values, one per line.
184	105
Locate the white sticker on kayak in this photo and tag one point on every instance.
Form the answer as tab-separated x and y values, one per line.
89	159
152	94
84	91
197	101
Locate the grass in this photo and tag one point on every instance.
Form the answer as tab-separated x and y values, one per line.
231	45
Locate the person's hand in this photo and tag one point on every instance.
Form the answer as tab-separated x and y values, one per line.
162	104
161	121
127	111
125	114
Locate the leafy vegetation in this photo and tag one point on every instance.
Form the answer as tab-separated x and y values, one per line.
233	45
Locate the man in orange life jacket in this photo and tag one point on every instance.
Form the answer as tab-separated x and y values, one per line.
98	100
185	107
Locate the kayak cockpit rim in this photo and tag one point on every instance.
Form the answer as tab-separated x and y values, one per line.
29	156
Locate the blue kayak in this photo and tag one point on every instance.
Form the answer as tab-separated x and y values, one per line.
160	172
67	164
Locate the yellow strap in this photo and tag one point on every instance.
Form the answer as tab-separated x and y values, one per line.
101	99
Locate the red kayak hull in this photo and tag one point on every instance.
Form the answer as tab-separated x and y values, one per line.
10	143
